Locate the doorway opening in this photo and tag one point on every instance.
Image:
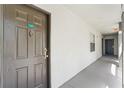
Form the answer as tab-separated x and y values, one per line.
109	47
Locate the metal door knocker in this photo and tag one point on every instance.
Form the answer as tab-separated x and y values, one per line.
30	33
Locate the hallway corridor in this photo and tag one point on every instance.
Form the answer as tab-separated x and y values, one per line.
52	46
104	73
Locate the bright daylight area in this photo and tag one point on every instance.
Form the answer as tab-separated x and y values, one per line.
61	46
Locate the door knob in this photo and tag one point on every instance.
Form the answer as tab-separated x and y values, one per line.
45	53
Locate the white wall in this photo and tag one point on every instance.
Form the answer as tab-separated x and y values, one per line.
70	46
1	44
115	37
123	56
119	44
120	54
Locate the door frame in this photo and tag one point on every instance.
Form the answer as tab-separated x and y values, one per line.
48	14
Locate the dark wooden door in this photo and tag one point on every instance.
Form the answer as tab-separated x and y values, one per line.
25	52
109	46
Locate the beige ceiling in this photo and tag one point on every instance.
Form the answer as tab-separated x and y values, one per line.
101	16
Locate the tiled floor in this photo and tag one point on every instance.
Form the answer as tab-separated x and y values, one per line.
104	73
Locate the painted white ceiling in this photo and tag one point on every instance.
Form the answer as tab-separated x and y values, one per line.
101	16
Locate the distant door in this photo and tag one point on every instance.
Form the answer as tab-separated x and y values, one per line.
109	46
102	47
25	47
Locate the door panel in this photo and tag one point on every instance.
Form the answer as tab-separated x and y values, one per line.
38	74
25	40
22	77
21	45
38	46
